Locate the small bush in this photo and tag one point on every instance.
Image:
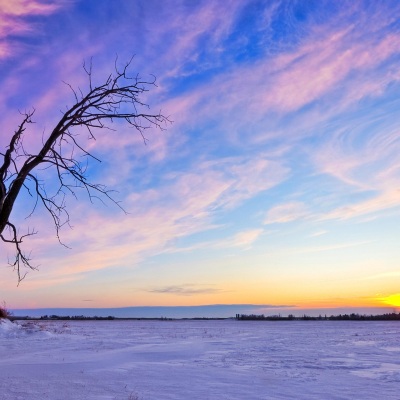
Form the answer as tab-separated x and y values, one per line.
4	312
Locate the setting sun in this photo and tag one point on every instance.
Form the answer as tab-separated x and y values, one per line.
392	300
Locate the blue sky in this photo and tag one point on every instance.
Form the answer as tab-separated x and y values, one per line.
277	182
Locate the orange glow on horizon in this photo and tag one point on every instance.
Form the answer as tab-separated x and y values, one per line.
392	300
341	303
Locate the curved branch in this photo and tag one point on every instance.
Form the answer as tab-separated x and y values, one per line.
21	259
118	98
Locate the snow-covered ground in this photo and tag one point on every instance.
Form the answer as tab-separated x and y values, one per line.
199	360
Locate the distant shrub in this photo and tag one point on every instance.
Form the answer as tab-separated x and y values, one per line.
4	313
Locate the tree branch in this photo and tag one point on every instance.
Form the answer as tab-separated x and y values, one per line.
118	98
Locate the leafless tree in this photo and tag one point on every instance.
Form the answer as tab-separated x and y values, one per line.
118	98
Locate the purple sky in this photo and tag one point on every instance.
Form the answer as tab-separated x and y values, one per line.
277	183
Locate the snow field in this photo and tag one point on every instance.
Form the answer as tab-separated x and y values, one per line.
199	360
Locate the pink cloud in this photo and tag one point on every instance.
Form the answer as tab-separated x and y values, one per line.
182	206
286	212
313	70
186	31
317	249
384	201
320	67
13	19
242	240
247	238
365	158
27	7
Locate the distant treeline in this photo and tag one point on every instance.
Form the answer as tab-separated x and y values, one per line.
239	317
109	318
340	317
75	317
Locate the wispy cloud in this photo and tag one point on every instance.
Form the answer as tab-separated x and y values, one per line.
246	238
204	30
286	212
186	290
295	79
242	240
27	7
384	275
184	205
317	249
369	168
383	202
318	233
14	20
328	72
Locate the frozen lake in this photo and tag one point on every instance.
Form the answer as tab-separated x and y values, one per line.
200	360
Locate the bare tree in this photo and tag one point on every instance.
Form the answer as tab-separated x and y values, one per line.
118	98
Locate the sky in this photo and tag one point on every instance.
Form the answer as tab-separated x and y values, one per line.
277	183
